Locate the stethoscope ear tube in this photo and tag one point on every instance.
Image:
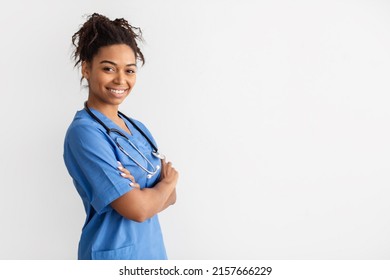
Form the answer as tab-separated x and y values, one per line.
96	118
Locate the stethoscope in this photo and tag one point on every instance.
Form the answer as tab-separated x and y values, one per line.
155	152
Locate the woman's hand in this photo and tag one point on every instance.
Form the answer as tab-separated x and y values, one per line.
126	174
168	173
169	176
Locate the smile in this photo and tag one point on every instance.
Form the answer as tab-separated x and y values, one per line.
117	91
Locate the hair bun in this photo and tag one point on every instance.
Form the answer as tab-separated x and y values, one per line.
99	31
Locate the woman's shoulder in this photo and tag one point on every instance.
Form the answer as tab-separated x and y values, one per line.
83	125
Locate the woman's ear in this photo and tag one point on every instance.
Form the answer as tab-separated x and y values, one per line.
85	69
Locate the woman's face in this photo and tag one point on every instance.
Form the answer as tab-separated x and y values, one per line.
111	75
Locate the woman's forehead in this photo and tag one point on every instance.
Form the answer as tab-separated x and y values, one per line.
119	54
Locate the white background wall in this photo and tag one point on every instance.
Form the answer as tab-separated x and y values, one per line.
276	114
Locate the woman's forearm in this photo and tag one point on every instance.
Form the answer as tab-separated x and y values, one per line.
142	204
170	201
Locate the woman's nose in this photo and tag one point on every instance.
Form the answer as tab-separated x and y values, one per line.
119	78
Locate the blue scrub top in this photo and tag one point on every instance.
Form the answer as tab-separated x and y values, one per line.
91	156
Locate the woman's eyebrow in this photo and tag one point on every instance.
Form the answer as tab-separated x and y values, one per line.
113	63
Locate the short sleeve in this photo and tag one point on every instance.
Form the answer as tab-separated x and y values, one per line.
89	155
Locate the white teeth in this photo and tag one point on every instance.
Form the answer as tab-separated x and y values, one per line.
117	91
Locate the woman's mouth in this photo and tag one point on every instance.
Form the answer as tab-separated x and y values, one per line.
117	92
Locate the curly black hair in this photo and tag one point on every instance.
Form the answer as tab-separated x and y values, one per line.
99	31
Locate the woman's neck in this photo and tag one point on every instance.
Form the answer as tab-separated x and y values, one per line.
110	111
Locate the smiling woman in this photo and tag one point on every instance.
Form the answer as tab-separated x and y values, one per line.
111	76
122	179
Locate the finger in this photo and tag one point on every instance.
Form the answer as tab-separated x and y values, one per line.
124	170
169	166
163	165
125	173
135	185
120	167
128	176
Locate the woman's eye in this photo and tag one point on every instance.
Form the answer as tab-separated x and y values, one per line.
108	69
131	71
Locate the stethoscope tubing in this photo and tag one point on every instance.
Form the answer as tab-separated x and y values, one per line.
109	130
127	118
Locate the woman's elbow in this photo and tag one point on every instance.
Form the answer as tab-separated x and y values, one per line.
138	219
133	207
136	214
139	216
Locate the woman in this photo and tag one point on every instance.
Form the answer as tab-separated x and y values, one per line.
113	160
